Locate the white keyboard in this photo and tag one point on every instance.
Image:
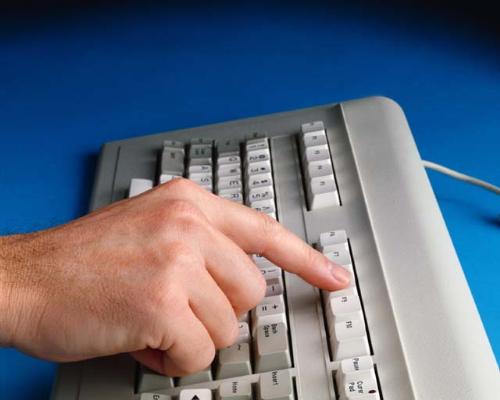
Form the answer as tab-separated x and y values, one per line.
348	179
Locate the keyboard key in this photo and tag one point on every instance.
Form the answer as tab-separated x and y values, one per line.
228	170
316	126
164	178
332	237
349	291
271	348
360	385
259	180
173	145
260	193
228	147
231	194
198	377
235	390
234	361
200	151
265	206
316	138
150	381
243	333
276	385
316	153
195	394
154	396
269	313
348	339
138	186
323	192
256	144
355	364
229	182
202	179
319	168
231	159
343	308
260	167
200	169
271	272
257	155
172	161
338	253
274	286
273	299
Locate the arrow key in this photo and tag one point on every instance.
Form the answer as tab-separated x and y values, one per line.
195	394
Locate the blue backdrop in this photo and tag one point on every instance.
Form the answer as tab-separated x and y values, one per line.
72	78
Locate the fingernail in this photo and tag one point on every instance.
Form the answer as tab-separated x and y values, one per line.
340	274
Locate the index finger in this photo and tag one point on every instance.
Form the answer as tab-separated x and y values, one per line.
257	233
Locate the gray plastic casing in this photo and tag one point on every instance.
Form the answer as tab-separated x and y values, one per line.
427	338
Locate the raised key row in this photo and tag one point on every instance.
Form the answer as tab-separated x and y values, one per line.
273	385
321	188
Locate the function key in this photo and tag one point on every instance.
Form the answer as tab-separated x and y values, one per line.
332	237
318	168
316	126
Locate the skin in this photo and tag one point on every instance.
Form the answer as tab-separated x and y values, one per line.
163	276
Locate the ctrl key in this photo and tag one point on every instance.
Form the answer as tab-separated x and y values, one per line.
276	385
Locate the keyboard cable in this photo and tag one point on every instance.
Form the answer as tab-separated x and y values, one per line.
463	177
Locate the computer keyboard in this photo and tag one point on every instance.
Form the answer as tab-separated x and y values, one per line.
346	178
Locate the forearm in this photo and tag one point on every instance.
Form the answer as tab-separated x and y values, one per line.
14	269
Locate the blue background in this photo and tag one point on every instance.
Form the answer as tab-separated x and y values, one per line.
76	76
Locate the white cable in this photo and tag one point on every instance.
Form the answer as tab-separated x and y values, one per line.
460	176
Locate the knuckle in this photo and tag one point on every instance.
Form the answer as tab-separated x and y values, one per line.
229	335
268	228
201	359
180	186
182	256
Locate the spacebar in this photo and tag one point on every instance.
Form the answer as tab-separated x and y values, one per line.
313	379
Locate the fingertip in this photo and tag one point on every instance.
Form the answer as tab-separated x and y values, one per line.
341	276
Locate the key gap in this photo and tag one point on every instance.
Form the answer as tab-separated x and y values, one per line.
333	170
379	386
360	296
287	313
271	162
325	325
302	172
294	388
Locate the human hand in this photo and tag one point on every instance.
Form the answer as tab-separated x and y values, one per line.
163	275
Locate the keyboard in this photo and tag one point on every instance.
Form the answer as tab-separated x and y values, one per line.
347	178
